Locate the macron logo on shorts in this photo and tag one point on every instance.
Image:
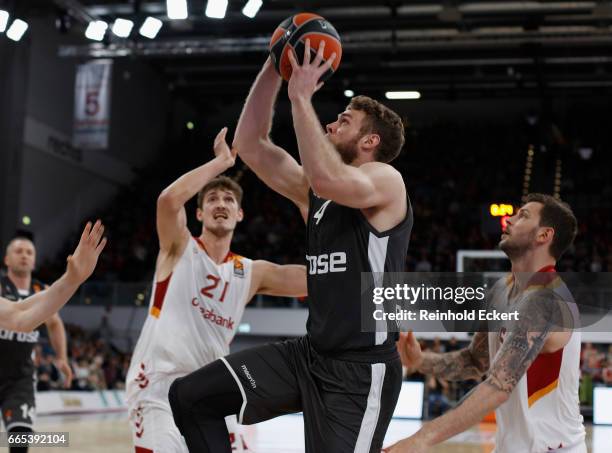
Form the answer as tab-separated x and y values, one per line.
245	370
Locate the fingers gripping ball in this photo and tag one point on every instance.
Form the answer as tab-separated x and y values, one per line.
292	33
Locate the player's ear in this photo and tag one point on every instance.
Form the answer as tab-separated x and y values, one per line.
546	235
240	215
370	141
199	214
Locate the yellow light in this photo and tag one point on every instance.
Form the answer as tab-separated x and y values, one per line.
501	210
190	125
26	220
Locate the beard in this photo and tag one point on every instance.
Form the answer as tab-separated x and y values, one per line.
347	151
515	247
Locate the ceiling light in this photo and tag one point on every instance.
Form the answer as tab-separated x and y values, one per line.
150	27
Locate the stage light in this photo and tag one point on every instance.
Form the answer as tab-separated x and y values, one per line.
4	17
16	30
150	27
349	93
122	27
96	30
215	9
403	95
26	220
252	8
176	9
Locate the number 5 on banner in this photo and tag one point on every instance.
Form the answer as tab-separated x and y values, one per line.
92	104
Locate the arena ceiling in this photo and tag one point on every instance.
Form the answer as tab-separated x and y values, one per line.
444	49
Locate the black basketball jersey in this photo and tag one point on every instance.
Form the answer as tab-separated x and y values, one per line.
16	347
341	244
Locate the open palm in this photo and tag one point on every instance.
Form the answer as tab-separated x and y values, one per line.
82	262
222	149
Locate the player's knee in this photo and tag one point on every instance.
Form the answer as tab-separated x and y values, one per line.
207	394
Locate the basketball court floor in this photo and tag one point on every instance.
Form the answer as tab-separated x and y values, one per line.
105	433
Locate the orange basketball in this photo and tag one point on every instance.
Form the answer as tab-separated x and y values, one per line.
292	33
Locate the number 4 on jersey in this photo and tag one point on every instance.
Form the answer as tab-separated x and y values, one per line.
319	214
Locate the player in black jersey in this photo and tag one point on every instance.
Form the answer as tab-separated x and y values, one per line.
21	313
359	219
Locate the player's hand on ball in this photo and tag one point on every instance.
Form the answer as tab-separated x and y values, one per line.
410	352
409	445
304	81
222	149
82	262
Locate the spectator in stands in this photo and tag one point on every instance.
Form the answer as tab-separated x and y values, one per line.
452	345
47	374
593	366
437	396
81	375
96	377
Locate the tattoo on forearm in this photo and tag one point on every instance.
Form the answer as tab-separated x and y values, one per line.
522	344
468	363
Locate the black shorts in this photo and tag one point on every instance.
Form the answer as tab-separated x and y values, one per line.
17	402
347	405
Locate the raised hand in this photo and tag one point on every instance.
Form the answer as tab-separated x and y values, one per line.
222	149
82	262
304	81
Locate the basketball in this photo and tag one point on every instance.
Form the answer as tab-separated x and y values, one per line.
292	33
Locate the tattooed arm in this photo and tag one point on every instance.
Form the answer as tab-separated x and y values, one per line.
526	338
467	363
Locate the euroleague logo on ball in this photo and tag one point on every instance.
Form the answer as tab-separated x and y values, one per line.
291	35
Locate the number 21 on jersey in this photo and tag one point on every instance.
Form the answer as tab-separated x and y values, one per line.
207	290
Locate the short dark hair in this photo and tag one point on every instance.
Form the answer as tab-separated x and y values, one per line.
221	182
558	215
20	236
383	121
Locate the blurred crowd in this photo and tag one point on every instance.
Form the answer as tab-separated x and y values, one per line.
453	171
96	364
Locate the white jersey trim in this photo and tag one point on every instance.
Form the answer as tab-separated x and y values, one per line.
244	399
377	255
370	416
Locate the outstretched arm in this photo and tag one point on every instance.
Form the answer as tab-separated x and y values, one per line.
471	362
520	348
278	280
171	218
272	164
371	185
36	309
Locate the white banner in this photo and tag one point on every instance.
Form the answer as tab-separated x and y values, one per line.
71	402
92	104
